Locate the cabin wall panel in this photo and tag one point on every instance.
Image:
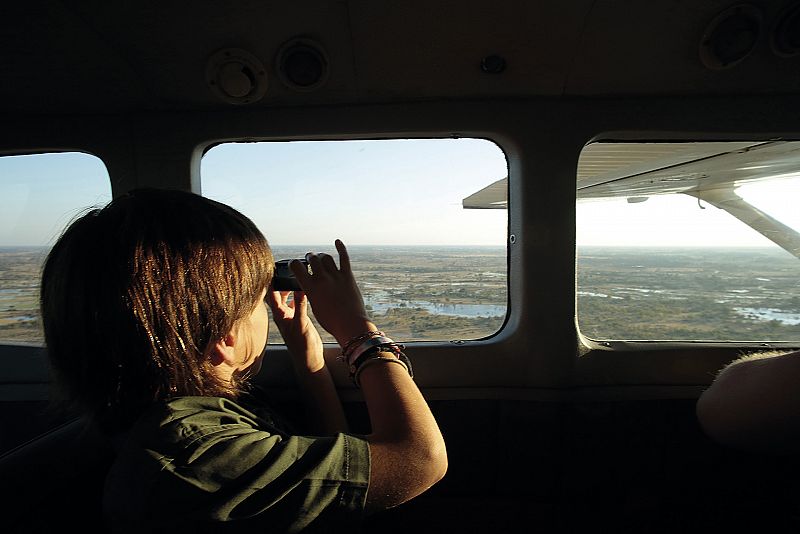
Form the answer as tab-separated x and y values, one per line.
538	348
632	466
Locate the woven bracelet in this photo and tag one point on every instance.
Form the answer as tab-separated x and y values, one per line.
394	348
374	353
366	335
370	361
353	354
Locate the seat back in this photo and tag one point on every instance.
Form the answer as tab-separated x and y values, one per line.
55	481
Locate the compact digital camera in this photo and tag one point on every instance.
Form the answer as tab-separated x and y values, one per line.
284	279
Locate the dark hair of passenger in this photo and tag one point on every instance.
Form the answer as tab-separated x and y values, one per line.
133	294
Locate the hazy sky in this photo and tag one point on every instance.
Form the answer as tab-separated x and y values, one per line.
41	193
394	192
369	192
680	220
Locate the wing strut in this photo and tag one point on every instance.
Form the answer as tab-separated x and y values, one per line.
725	198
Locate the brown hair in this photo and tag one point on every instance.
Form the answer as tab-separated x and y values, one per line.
133	294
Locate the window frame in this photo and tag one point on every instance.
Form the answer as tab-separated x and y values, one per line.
57	232
672	161
203	149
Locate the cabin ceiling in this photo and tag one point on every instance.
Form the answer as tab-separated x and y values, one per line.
96	56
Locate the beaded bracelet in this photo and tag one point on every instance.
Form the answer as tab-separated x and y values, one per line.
366	335
354	353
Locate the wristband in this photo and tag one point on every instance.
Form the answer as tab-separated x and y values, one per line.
404	361
394	348
366	335
351	356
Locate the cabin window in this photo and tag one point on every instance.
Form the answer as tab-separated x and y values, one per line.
689	241
41	194
428	268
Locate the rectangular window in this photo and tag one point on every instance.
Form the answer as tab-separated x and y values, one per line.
428	268
689	241
41	194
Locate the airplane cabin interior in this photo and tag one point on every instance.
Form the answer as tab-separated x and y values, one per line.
566	401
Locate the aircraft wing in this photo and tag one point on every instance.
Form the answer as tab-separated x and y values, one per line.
492	197
710	171
608	170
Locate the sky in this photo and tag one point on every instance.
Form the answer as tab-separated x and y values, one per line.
681	220
397	192
389	192
42	193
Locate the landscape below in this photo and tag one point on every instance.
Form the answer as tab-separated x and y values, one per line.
452	293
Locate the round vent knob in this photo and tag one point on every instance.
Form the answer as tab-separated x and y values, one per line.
730	37
785	38
302	64
236	76
236	80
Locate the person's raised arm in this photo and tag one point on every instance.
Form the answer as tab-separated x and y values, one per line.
753	404
305	348
407	449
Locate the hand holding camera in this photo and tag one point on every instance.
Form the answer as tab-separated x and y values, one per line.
333	293
284	279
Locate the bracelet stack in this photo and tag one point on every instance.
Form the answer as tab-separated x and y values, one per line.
371	347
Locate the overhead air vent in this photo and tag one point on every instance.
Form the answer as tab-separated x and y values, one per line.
731	37
236	76
785	37
302	64
493	64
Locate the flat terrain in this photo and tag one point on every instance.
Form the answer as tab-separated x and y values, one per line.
428	293
737	294
20	270
449	293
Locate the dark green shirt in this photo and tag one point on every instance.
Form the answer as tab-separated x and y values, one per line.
208	464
